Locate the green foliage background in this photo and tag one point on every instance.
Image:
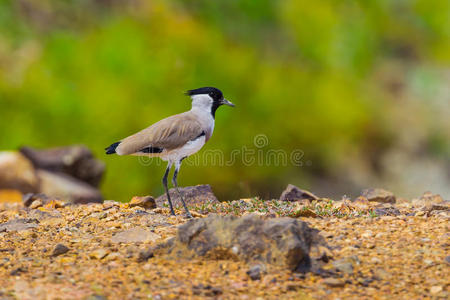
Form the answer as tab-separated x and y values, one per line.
361	87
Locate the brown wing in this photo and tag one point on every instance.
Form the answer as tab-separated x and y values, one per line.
169	133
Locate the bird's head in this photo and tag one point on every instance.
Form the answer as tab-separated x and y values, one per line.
208	98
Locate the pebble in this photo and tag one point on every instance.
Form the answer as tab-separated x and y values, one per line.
375	260
145	202
113	256
59	249
435	289
344	265
255	272
382	274
99	253
36	203
367	234
145	254
378	195
334	282
428	262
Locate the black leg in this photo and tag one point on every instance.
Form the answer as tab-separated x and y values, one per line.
175	184
164	181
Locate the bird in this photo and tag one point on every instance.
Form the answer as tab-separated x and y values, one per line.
176	137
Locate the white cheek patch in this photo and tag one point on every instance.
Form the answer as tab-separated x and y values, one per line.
203	101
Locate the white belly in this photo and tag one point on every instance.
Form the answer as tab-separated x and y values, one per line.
188	149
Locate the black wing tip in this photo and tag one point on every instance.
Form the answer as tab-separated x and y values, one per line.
112	148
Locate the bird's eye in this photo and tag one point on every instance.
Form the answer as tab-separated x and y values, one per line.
211	94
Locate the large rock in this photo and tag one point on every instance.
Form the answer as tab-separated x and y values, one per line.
284	242
293	193
17	173
378	195
193	195
67	188
76	161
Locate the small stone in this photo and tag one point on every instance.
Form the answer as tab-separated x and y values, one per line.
144	255
387	212
428	262
17	271
56	204
344	265
420	213
113	256
145	202
367	234
333	282
59	249
447	259
375	260
381	274
255	272
36	203
293	193
216	290
98	254
380	235
364	281
378	195
435	289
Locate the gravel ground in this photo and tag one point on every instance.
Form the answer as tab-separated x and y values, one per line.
377	251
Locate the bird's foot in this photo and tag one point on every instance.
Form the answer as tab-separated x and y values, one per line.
189	216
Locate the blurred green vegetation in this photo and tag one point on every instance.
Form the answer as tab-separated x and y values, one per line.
361	87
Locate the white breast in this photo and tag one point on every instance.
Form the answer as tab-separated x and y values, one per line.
203	114
188	149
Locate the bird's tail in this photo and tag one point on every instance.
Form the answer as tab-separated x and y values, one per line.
112	148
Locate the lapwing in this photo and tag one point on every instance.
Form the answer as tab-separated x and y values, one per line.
174	138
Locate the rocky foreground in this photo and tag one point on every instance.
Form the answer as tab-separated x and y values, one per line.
372	247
